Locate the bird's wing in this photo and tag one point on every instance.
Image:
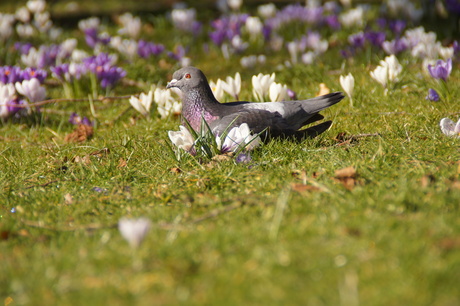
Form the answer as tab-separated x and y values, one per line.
258	120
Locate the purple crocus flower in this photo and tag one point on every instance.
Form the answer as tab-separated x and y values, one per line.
49	54
227	27
23	48
357	40
441	70
109	75
291	94
432	95
92	37
243	158
145	49
102	65
30	73
178	54
10	74
453	6
397	26
61	72
76	119
375	38
333	22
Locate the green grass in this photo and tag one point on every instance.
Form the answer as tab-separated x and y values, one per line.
226	233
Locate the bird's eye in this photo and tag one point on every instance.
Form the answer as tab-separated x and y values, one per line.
188	76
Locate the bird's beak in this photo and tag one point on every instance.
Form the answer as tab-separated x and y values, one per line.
172	83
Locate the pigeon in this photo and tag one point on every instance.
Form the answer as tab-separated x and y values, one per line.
271	119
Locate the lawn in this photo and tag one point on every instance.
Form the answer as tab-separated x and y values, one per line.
366	213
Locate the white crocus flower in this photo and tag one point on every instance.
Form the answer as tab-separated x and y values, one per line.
22	14
278	92
352	17
131	25
254	26
31	89
248	61
6	25
7	93
308	58
394	67
183	18
217	89
32	58
446	52
261	85
234	4
134	230
25	30
143	103
67	47
127	47
36	6
348	84
237	138
182	139
450	128
89	23
380	74
232	86
166	104
266	10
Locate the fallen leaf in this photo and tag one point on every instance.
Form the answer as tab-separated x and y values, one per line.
427	180
80	134
5	235
176	170
346	176
449	244
122	163
303	188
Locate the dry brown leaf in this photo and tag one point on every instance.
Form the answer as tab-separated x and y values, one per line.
122	163
176	170
427	180
449	244
80	134
303	188
5	235
346	176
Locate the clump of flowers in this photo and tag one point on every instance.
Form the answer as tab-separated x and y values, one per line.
208	144
143	103
388	71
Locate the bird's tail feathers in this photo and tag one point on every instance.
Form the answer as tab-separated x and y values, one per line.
317	104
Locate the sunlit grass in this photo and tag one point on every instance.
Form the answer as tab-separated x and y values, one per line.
283	229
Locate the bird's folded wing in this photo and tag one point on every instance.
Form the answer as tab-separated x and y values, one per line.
258	120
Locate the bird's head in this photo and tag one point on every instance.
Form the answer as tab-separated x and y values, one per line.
187	78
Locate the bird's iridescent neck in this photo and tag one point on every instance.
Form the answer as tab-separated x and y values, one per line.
198	105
